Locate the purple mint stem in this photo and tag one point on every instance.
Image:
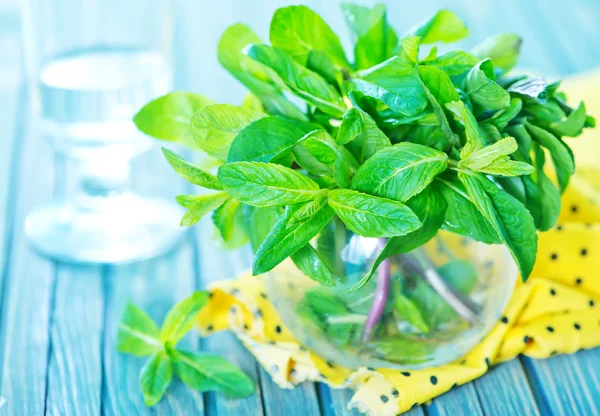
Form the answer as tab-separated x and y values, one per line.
384	272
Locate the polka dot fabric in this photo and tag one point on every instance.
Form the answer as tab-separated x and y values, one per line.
557	311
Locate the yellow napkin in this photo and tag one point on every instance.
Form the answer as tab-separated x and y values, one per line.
557	311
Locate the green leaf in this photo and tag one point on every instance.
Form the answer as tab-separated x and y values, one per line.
298	30
320	63
485	156
573	124
462	216
360	132
168	117
533	88
371	216
375	40
138	334
189	172
506	167
319	154
430	207
214	127
543	198
259	222
260	80
224	219
501	118
400	171
511	220
462	115
182	317
440	91
199	205
559	152
155	377
396	84
503	49
307	210
444	26
409	311
287	238
519	132
461	274
266	184
306	84
266	138
206	372
456	63
311	264
484	93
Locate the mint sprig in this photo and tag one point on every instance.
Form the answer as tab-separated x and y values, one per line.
399	143
139	335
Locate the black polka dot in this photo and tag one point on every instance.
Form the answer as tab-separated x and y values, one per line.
271	342
395	393
209	328
526	339
293	372
263	295
592	303
576	326
329	364
549	329
246	327
487	361
210	295
454	386
554	352
384	398
463	362
414	405
504	320
405	373
554	256
371	368
584	252
433	380
574	209
559	227
278	329
552	292
489	264
578	281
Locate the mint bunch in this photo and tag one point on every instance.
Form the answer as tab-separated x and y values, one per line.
139	335
399	144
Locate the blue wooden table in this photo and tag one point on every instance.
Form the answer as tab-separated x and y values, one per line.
58	322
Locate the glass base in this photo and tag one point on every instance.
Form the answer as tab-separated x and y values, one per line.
113	229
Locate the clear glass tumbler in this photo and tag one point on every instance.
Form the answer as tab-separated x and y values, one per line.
93	65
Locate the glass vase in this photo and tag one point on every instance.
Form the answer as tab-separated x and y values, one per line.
423	308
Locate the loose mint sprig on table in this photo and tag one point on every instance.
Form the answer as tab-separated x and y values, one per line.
398	144
139	335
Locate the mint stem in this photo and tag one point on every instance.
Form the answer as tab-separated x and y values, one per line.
384	272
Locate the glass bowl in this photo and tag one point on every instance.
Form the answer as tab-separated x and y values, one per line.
424	308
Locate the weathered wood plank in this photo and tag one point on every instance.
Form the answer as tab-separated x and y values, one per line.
566	384
277	401
75	368
504	390
461	400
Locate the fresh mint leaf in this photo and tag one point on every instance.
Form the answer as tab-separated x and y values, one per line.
410	312
224	219
189	172
310	208
306	84
371	216
320	63
400	171
155	377
375	40
311	264
168	117
298	30
259	221
455	63
533	88
460	274
502	117
199	205
510	219
462	217
204	372
559	152
259	79
182	317
396	84
327	313
485	156
573	124
484	92
506	167
523	138
287	238
444	26
463	116
266	184
138	334
543	198
503	49
267	138
215	126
